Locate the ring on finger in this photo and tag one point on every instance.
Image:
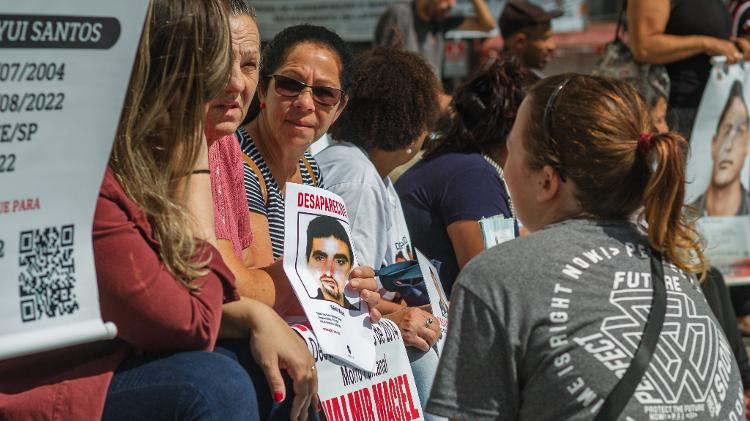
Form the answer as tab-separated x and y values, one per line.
427	322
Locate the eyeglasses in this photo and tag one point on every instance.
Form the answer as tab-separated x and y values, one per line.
290	88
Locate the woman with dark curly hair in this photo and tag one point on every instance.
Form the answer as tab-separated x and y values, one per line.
460	178
392	105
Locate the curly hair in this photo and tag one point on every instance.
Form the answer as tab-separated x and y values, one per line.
484	108
392	100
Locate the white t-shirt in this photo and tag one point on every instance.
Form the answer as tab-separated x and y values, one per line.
379	232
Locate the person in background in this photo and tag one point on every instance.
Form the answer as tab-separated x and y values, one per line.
683	35
160	279
460	179
740	12
527	34
420	26
392	105
655	91
582	159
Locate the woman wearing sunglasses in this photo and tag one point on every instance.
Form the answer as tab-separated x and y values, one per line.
301	90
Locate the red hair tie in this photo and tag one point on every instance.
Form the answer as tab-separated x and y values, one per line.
644	143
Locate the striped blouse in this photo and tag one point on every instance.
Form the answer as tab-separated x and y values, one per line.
275	210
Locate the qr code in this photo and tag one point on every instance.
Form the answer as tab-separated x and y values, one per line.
46	282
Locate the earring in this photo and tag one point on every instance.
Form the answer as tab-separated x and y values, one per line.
262	105
409	151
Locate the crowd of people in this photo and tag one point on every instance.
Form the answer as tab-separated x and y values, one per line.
188	233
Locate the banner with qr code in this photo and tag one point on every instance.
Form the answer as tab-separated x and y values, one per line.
64	70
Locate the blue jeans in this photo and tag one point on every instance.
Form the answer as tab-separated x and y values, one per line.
269	410
423	367
182	386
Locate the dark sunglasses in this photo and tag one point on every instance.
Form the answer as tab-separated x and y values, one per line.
288	87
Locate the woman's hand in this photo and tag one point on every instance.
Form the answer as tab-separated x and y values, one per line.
275	347
418	328
721	47
744	45
362	278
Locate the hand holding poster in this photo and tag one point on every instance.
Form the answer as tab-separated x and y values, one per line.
348	394
318	258
438	300
718	173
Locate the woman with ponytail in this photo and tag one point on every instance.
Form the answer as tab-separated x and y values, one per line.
552	320
460	179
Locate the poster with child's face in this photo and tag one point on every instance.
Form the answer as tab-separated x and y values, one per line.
318	260
718	173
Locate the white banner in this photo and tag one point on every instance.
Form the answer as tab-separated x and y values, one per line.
64	69
718	174
438	299
349	394
318	258
355	20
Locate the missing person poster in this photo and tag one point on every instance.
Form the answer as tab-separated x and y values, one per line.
438	299
64	71
318	258
718	174
349	394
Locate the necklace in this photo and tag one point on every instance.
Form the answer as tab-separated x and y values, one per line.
502	180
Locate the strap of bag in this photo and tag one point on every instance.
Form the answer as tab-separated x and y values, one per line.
619	396
261	181
310	171
621	19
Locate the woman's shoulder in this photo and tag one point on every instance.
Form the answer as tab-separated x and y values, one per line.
346	163
545	253
452	163
114	207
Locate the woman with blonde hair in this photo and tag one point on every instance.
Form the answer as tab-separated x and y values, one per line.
578	309
160	278
150	251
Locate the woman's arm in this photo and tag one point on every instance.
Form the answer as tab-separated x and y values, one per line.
647	20
251	282
261	251
467	241
274	347
482	19
134	284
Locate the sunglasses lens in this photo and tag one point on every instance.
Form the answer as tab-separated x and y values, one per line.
287	86
327	96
